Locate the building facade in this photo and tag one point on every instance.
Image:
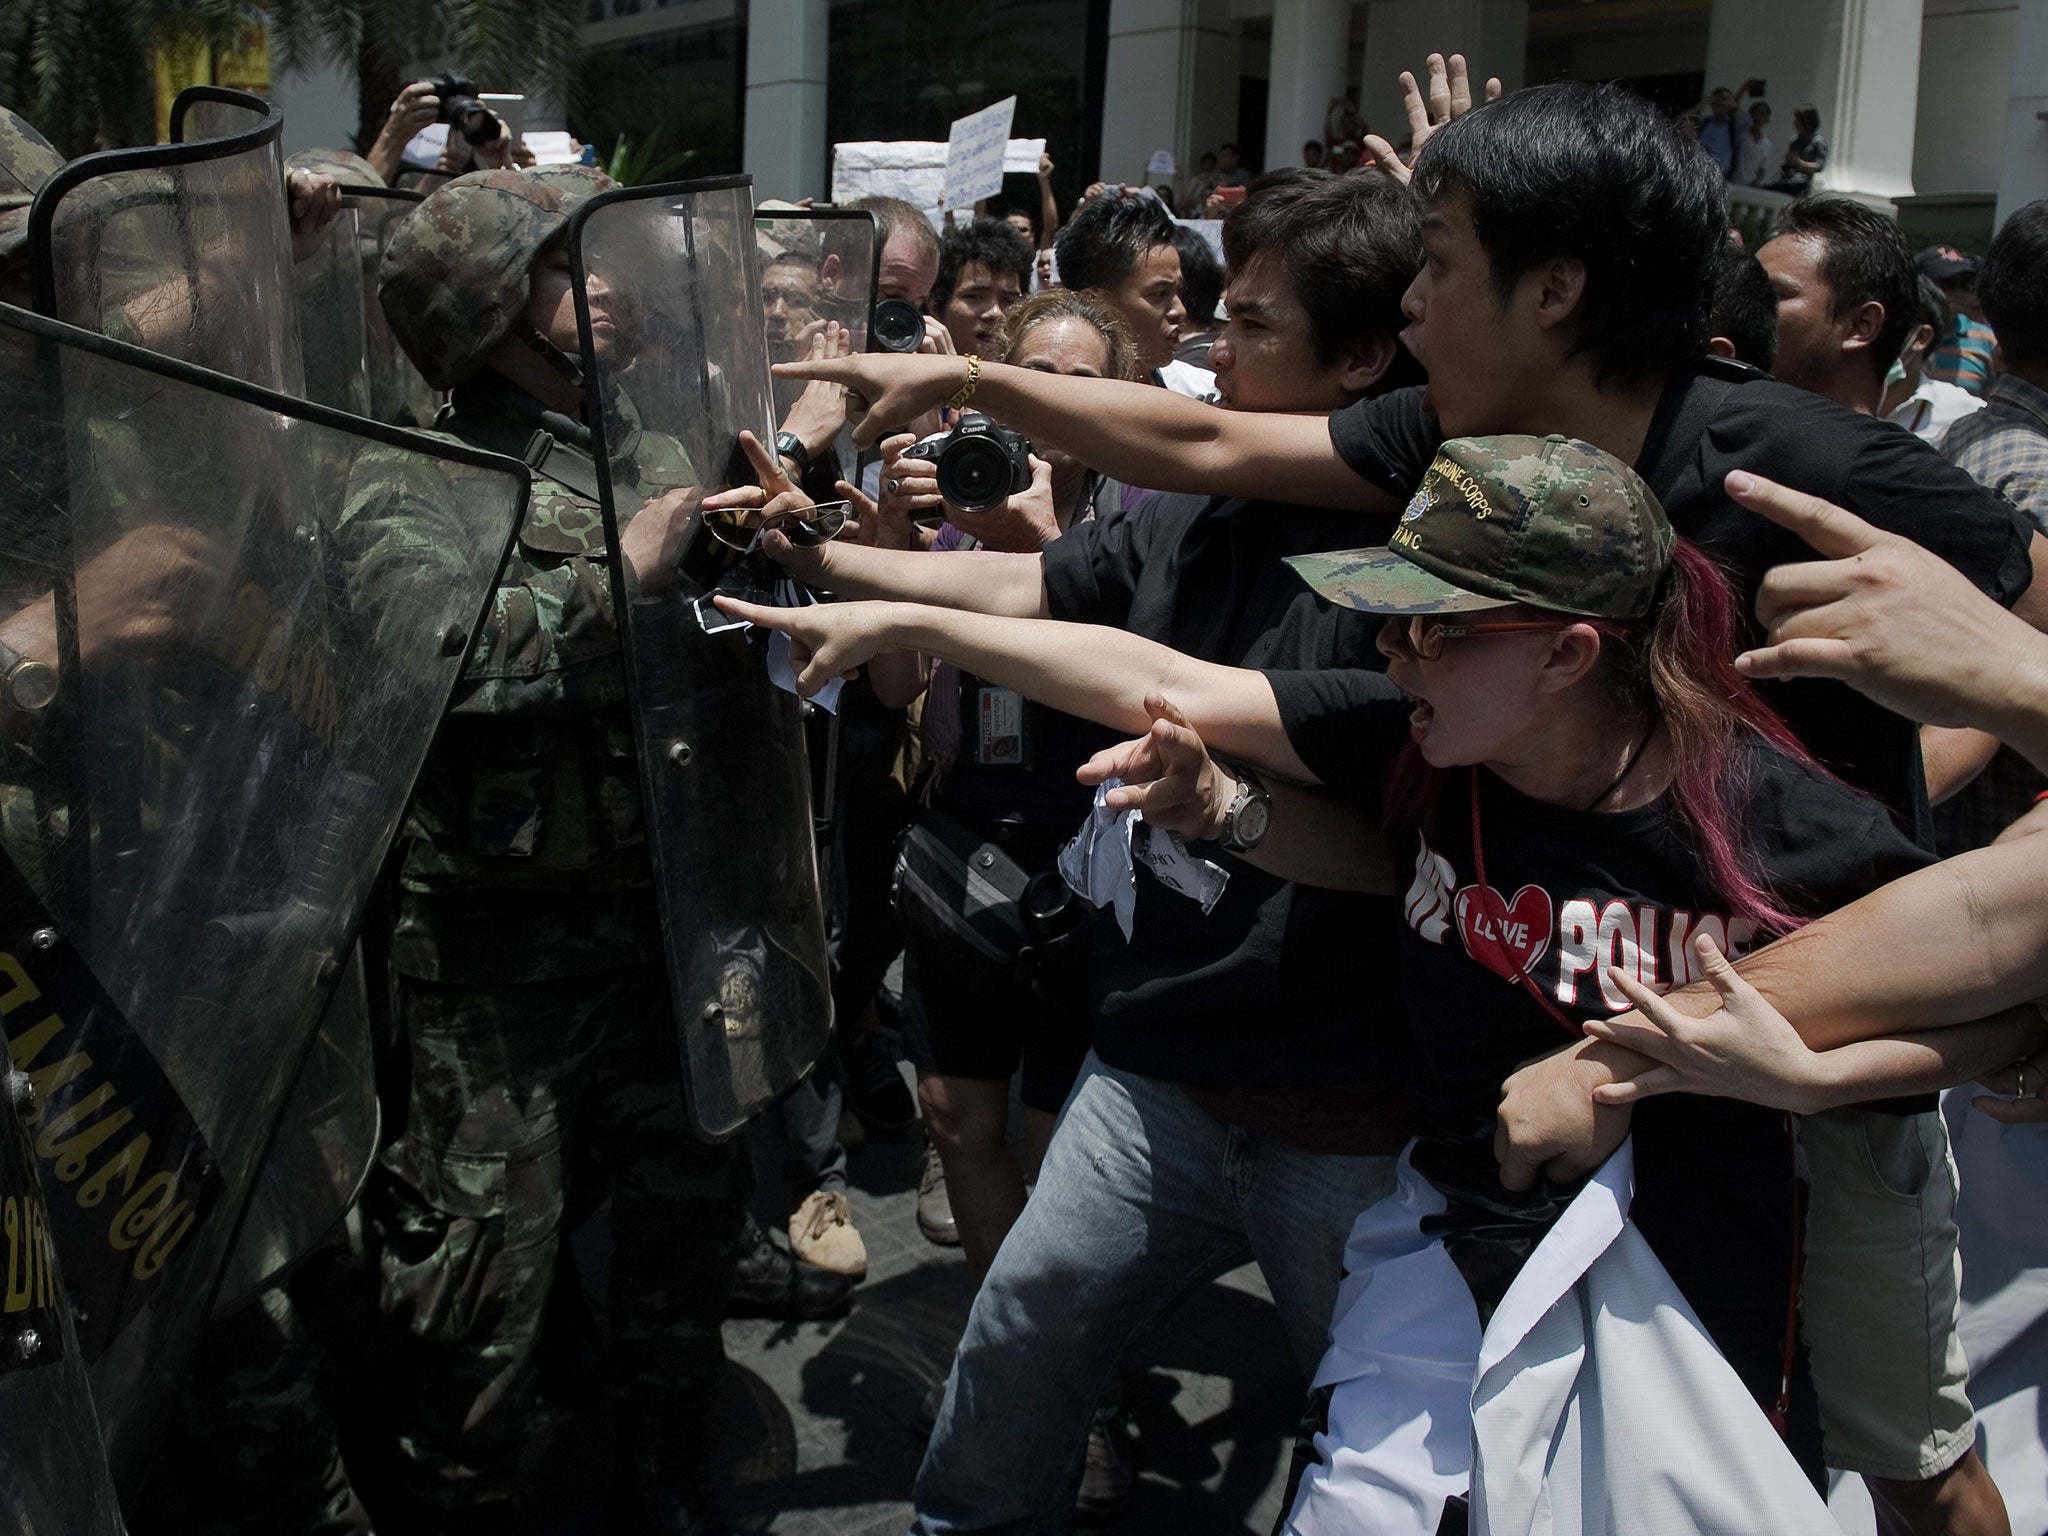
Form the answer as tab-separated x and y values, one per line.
1931	106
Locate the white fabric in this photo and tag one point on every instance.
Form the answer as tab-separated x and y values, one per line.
1187	379
1752	160
1933	408
1594	1404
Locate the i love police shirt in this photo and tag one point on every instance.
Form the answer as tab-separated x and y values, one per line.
1567	894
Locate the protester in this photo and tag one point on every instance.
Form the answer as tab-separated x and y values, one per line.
1753	148
1201	292
1210	1052
1119	246
1963	355
1845	285
1925	406
1742	312
1343	134
1716	117
983	270
1805	157
1571	235
1312	154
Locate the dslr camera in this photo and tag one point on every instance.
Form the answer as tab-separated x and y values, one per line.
980	465
462	112
895	326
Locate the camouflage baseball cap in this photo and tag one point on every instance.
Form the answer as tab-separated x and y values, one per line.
1547	521
348	168
456	275
27	160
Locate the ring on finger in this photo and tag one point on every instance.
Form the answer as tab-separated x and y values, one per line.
894	486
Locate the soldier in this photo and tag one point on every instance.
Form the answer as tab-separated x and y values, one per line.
526	942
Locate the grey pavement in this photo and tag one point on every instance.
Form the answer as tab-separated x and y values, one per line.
826	1413
817	1433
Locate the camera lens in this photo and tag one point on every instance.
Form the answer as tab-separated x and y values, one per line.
974	475
896	327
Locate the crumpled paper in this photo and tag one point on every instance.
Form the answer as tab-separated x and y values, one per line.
1100	863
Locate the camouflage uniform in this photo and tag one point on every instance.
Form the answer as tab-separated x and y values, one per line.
526	940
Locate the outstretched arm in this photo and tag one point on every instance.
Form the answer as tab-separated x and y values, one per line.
1091	670
1137	433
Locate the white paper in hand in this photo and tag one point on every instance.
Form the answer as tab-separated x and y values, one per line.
974	153
1096	864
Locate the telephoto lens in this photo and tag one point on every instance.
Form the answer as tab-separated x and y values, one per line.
461	110
896	327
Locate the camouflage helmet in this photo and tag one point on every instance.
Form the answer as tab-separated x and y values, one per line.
27	160
455	278
346	167
575	181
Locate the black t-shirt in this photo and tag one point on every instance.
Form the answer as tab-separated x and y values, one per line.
1881	473
1567	893
1261	992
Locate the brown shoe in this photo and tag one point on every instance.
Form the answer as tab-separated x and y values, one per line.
822	1233
934	1206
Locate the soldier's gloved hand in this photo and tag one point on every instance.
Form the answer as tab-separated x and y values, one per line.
652	543
315	200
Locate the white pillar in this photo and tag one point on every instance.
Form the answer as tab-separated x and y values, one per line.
784	143
1170	82
2023	174
1400	34
1311	63
1856	61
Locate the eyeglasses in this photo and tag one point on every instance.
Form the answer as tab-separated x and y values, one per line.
1425	637
820	525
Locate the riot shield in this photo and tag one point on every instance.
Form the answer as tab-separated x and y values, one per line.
668	302
332	309
817	264
53	1470
255	610
181	248
398	394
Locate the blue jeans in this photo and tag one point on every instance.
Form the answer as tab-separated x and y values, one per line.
1143	1198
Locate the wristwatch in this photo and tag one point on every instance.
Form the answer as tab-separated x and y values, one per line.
789	446
27	686
1250	813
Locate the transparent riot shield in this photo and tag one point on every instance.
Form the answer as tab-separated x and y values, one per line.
53	1469
332	309
251	612
399	394
668	300
817	264
181	248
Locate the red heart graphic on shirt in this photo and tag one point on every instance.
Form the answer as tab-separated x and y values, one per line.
1507	937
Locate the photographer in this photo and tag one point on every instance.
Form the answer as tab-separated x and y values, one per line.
1212	1053
998	772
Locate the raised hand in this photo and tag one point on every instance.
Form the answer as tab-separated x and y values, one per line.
1449	98
315	200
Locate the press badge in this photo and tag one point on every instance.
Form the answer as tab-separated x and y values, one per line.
1005	735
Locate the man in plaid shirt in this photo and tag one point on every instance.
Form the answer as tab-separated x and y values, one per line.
2005	446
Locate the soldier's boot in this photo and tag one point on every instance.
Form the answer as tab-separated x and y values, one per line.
657	1485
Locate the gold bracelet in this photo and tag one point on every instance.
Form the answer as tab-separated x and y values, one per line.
966	391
